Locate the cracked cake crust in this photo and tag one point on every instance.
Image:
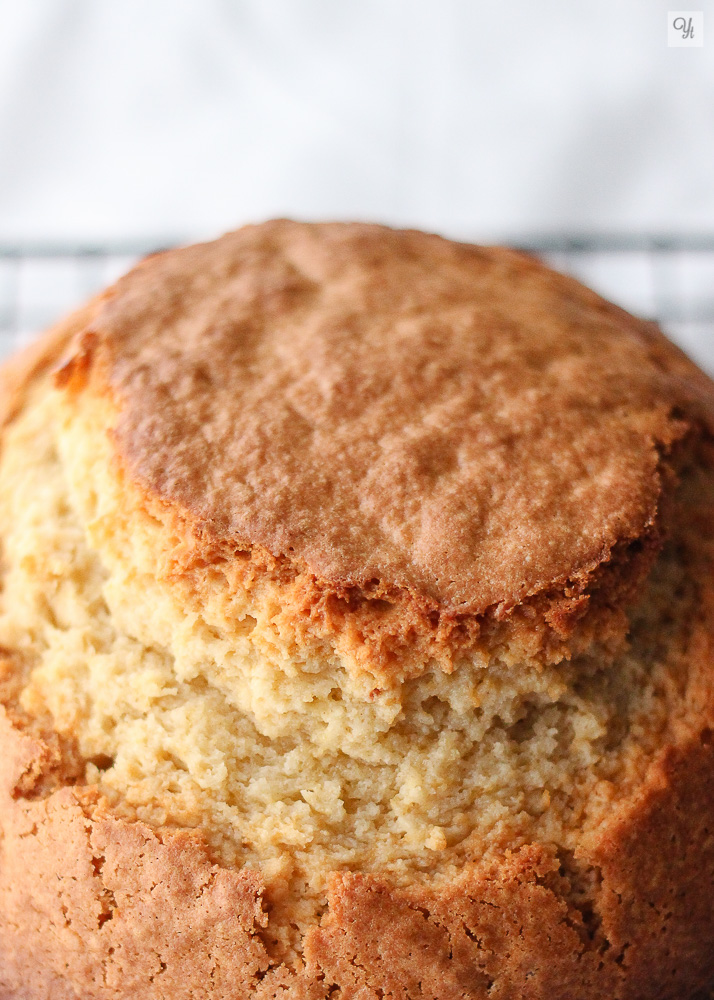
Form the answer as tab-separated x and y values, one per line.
114	909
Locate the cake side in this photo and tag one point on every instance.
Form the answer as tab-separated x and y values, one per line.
136	910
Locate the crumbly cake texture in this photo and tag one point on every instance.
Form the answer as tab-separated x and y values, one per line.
356	627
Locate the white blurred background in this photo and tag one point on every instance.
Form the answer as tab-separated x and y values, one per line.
570	128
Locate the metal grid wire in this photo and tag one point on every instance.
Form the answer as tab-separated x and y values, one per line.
670	279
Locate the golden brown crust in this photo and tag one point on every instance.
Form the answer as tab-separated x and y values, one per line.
20	372
93	895
511	929
380	406
427	445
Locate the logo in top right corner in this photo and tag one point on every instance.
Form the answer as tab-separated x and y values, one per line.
685	28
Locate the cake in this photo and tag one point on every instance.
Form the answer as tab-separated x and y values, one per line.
356	633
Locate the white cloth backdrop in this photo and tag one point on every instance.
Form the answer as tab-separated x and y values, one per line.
153	118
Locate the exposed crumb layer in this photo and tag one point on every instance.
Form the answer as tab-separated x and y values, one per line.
189	718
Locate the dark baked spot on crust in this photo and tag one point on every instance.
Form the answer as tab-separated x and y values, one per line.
73	374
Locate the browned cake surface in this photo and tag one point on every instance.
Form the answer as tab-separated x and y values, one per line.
357	618
390	407
457	429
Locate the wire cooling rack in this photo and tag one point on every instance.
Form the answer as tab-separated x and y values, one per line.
667	278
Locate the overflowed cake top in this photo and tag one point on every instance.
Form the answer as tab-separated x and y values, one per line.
392	410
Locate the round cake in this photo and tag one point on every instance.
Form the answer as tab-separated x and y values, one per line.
356	634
